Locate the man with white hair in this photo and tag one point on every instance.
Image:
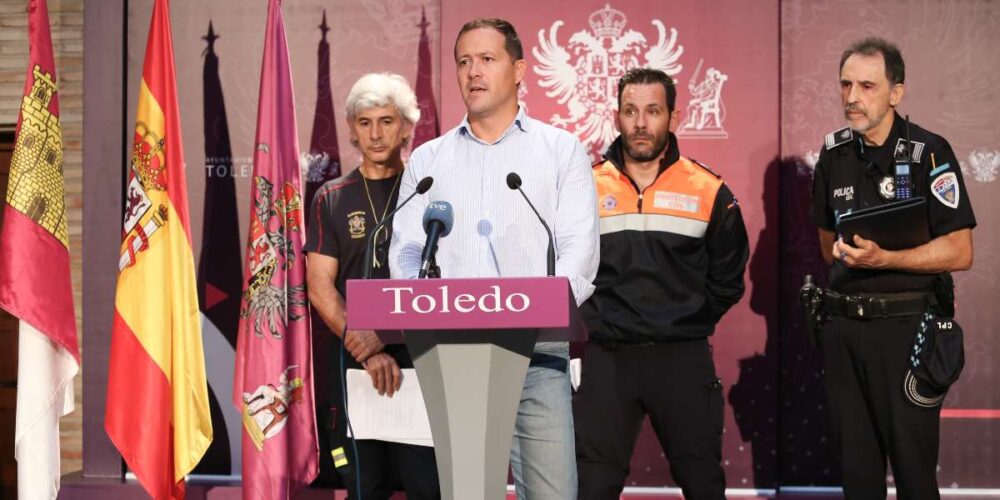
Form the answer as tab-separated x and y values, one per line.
382	112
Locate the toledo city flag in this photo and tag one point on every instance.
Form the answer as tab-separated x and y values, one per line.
157	410
34	271
273	389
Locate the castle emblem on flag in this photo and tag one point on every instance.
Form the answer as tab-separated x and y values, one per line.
584	74
266	409
275	216
36	178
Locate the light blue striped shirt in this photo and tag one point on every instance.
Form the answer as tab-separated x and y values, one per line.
495	233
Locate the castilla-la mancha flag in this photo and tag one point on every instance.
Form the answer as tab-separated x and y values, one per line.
34	271
157	409
273	387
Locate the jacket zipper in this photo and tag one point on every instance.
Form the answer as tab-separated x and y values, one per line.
637	190
636	186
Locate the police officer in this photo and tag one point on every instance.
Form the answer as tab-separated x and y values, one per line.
877	297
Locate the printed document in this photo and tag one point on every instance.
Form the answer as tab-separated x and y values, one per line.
401	418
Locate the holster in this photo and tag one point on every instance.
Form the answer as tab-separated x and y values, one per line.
811	305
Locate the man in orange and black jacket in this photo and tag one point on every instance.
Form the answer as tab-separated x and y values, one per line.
673	252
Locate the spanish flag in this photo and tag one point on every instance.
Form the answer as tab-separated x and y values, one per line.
157	409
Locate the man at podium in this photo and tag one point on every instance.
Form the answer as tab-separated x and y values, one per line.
496	233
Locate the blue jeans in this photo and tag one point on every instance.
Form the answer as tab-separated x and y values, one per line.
543	454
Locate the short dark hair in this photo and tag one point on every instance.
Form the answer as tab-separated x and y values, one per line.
512	44
639	76
895	69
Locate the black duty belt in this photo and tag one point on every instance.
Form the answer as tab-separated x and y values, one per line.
876	306
542	360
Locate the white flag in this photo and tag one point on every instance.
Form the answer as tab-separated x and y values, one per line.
45	374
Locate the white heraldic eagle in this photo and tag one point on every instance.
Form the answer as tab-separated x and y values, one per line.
584	75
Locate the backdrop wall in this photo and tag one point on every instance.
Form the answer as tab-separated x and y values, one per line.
757	92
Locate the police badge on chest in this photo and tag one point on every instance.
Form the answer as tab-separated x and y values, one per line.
887	188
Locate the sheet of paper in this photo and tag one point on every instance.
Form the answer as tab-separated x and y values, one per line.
401	418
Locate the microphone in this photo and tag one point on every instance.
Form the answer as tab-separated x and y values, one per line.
514	183
422	187
438	219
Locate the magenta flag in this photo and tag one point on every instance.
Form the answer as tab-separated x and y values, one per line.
429	126
273	387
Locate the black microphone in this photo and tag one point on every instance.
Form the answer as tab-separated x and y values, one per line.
422	187
514	183
438	219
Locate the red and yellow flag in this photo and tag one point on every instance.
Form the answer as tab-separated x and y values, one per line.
157	410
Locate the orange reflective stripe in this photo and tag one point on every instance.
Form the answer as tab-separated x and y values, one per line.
685	190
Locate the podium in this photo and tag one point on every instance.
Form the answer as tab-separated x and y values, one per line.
471	340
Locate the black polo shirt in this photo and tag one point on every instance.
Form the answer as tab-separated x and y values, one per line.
851	175
341	219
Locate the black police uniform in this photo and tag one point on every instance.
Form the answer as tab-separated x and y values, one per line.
339	222
866	355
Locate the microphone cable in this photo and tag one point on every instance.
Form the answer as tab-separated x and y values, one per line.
347	417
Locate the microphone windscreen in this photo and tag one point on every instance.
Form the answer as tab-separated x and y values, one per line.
513	180
424	185
439	211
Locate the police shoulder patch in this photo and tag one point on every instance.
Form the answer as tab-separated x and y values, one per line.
702	165
945	188
838	137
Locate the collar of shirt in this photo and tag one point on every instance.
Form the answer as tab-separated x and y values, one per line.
520	123
884	156
616	154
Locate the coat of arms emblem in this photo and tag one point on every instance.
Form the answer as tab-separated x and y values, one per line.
983	165
266	409
583	76
356	224
149	165
276	215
